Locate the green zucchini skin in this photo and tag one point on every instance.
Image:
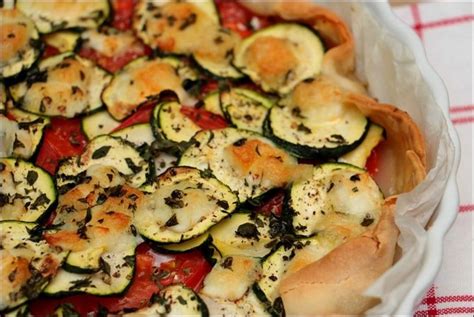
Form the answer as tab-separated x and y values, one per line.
308	152
186	246
34	180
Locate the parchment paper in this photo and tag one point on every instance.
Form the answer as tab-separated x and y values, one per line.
390	70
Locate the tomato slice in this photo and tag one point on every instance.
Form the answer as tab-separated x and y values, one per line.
372	164
49	51
62	139
204	119
115	63
142	115
238	18
153	270
123	13
273	205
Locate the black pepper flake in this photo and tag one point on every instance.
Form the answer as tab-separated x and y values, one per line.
40	201
12	275
171	19
296	112
273	278
355	189
336	138
2	167
75	90
181	300
11	35
101	198
82	75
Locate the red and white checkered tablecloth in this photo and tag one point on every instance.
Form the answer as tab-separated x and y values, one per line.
446	30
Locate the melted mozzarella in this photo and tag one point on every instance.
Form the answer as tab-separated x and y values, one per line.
231	278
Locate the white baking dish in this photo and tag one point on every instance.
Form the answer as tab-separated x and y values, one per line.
447	209
405	44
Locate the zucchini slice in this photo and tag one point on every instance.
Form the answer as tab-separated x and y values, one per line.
231	278
323	131
243	160
185	204
29	133
174	300
64	41
20	43
137	134
94	222
98	123
145	78
3	98
55	15
245	109
280	56
217	58
28	263
288	259
63	85
336	195
112	43
171	124
212	103
175	26
188	245
26	192
108	151
243	234
249	305
360	154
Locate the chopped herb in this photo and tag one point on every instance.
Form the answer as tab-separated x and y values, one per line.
207	173
12	275
104	266
227	263
175	200
173	221
190	20
129	260
135	169
240	142
17	144
223	204
101	198
331	186
78	284
368	220
40	201
181	300
31	177
296	112
101	152
355	178
336	138
302	128
248	230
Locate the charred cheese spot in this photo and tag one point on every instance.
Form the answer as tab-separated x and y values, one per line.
272	58
263	161
141	79
17	41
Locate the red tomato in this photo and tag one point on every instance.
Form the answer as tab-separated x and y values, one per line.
115	63
49	51
273	205
123	12
142	115
372	164
204	119
153	270
208	87
62	139
237	18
